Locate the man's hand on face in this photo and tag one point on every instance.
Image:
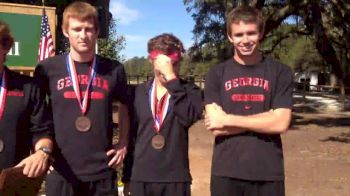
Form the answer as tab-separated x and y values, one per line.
163	68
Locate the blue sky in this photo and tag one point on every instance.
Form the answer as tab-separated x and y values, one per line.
140	20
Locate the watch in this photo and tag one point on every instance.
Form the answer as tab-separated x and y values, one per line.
46	150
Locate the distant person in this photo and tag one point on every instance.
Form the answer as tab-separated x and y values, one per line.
164	109
81	87
248	105
23	118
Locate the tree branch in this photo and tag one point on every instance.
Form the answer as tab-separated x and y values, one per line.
282	35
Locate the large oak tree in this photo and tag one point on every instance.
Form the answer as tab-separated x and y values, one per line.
327	21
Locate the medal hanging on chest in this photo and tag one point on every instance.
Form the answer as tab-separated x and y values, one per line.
82	123
3	93
159	111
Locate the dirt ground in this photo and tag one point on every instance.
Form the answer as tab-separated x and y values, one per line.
316	151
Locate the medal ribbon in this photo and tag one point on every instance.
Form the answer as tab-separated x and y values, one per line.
158	113
74	78
3	92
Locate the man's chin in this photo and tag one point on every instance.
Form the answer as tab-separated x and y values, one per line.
84	50
246	53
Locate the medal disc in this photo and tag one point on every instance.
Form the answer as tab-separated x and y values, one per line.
83	124
1	145
158	141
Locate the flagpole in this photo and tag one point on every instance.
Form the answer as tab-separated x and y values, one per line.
46	47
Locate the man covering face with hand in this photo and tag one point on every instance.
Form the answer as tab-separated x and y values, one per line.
164	109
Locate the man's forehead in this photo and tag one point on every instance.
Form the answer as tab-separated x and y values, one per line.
244	23
77	21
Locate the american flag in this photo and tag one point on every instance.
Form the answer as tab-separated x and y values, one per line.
46	48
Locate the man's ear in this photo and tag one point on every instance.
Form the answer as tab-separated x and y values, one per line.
229	38
261	35
65	33
97	32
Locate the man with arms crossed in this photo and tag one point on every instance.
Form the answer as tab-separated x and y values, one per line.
81	87
248	105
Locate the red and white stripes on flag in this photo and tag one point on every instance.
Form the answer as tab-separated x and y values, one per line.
46	48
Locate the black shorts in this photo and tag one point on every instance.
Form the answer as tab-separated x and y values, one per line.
57	185
160	189
225	186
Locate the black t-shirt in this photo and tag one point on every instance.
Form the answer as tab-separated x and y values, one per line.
82	154
24	119
170	164
245	90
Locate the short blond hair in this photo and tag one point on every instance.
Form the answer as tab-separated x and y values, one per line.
81	11
6	39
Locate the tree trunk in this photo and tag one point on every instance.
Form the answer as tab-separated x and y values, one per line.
325	47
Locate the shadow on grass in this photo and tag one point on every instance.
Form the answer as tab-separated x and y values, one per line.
315	111
343	138
300	120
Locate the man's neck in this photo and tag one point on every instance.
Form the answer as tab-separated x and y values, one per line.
81	57
248	60
160	88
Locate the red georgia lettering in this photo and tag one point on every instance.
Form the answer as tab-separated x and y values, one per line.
248	97
94	95
15	93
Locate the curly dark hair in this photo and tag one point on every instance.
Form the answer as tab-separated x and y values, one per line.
166	42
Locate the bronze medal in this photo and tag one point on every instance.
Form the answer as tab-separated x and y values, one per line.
1	145
158	142
83	124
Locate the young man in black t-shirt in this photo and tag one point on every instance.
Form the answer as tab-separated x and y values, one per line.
23	119
248	105
81	87
164	109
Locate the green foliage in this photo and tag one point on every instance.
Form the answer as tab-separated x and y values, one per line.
194	69
322	30
186	66
202	68
297	51
300	53
209	27
113	45
138	66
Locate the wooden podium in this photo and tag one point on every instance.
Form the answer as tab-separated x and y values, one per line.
13	182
